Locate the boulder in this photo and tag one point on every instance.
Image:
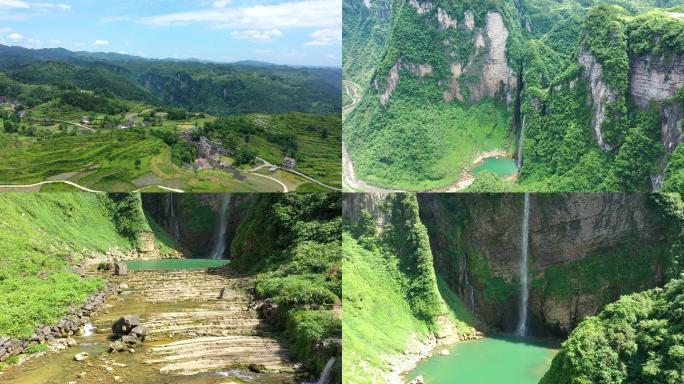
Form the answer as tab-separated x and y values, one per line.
117	346
125	325
129	339
256	368
120	269
444	352
71	342
81	356
140	332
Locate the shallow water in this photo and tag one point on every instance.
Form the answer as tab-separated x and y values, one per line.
501	166
519	360
168	264
132	368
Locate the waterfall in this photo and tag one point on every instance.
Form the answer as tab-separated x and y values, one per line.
524	288
520	144
469	288
219	246
327	372
174	221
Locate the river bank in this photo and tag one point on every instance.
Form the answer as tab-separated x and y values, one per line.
203	328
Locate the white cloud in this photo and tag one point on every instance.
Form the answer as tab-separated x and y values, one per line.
332	57
325	37
19	4
15	37
14	4
221	3
311	14
257	36
5	30
80	44
101	42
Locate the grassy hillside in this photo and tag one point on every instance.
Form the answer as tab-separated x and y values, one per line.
113	159
137	110
391	292
44	237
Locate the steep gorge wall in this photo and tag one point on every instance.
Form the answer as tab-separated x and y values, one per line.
657	78
472	43
585	251
196	216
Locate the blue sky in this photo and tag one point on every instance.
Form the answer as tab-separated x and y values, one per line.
303	32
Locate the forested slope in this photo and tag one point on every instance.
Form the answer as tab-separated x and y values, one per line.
220	89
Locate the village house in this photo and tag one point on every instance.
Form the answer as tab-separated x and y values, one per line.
85	120
289	163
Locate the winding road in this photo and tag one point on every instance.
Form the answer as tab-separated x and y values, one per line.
49	182
274	179
267	164
353	90
86	189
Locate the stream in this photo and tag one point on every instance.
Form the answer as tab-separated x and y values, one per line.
194	337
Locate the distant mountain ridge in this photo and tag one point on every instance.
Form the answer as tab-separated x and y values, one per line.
216	88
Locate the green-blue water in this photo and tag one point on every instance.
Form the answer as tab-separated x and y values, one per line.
502	166
512	360
174	264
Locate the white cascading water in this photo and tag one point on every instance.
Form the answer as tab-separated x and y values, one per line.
219	246
520	144
88	329
327	372
524	288
469	287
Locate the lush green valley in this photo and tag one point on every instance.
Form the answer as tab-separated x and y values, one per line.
274	295
121	123
600	278
588	94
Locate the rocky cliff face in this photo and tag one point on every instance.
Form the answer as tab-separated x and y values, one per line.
658	78
486	73
497	79
354	204
419	70
601	94
570	236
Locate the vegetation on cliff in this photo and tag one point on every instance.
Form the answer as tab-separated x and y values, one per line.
391	292
638	339
293	242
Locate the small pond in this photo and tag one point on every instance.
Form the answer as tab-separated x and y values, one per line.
170	264
499	165
506	359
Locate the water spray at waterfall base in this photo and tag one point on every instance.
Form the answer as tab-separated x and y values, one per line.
219	246
524	288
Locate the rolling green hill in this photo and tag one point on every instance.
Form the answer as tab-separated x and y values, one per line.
115	123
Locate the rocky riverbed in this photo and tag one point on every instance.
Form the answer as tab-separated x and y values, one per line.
201	328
